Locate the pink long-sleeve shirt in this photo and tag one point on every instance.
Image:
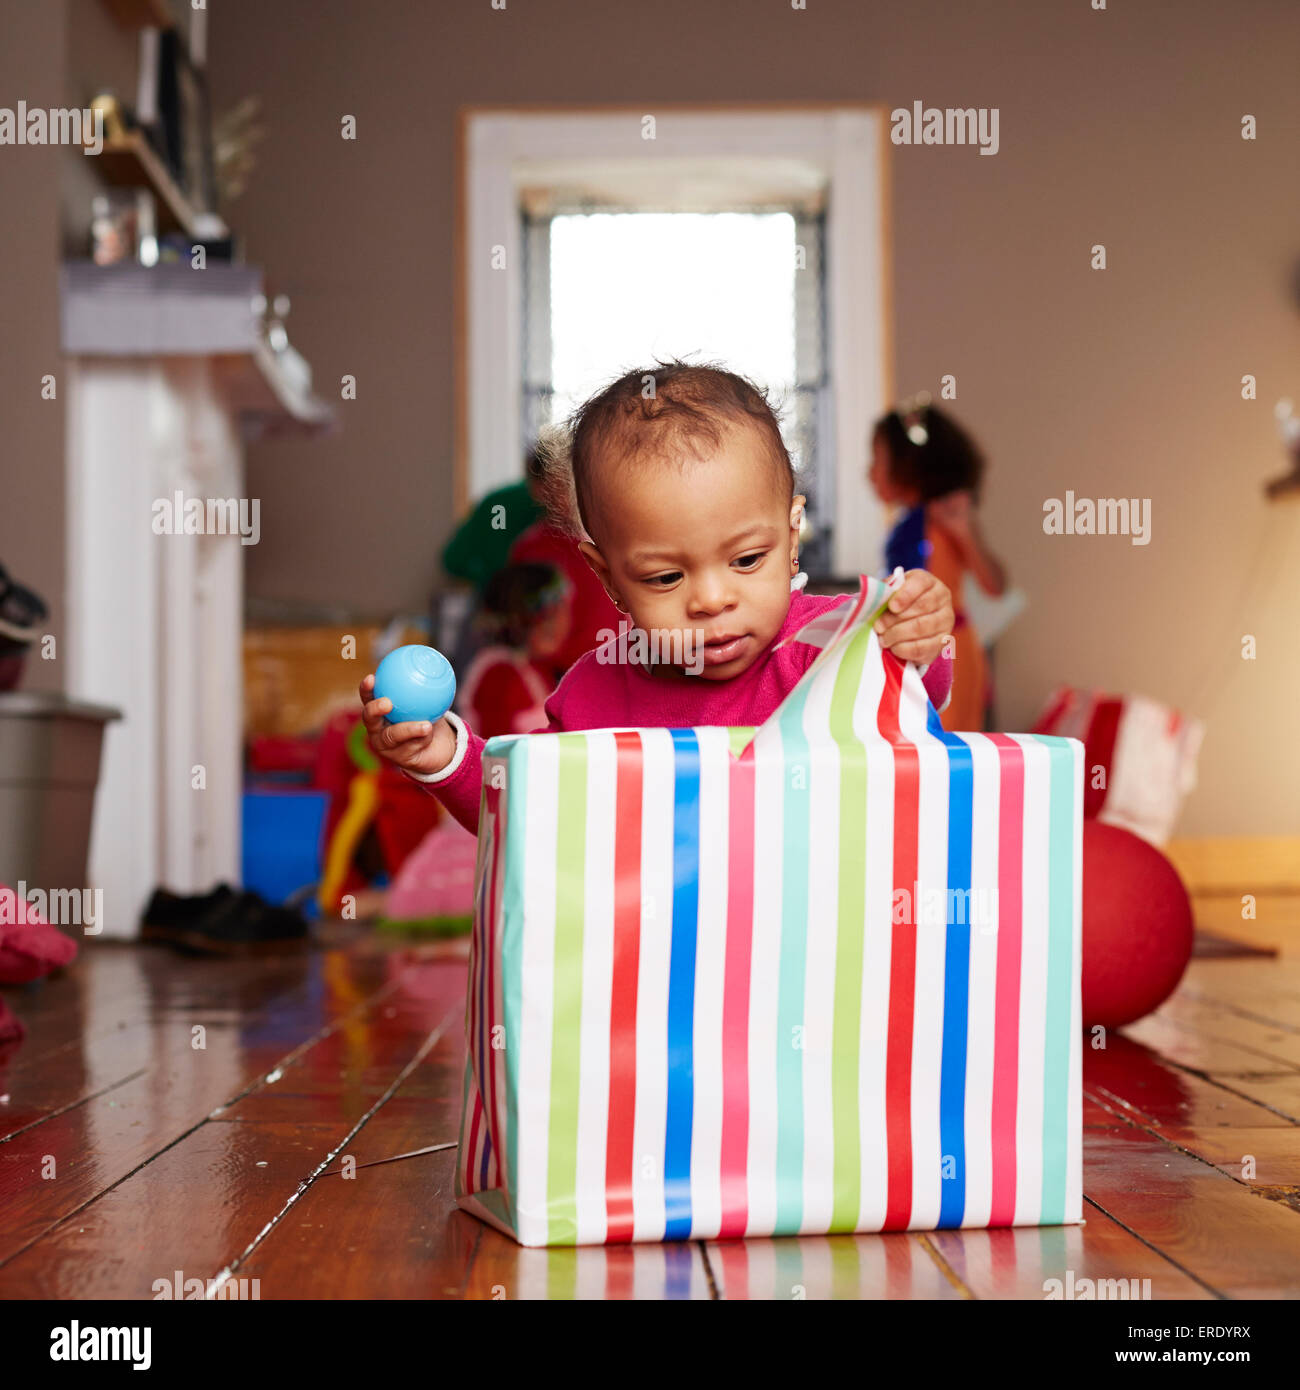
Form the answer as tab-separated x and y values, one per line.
596	694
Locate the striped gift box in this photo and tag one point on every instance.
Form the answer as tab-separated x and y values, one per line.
820	976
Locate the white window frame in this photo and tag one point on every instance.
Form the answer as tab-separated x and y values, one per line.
847	142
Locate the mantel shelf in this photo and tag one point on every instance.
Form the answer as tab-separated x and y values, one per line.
140	14
175	311
272	398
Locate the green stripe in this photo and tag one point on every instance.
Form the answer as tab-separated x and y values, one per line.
1065	799
562	1275
851	908
846	1267
566	1008
510	957
740	738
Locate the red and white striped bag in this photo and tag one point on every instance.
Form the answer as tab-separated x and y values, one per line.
1139	757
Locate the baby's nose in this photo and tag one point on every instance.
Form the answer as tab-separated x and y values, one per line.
710	596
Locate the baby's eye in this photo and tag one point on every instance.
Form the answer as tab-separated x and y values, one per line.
663	581
749	561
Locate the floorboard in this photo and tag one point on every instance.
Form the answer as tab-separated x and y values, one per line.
129	1153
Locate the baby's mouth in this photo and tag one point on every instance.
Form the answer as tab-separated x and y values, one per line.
721	650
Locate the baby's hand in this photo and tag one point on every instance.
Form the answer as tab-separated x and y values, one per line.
417	745
919	618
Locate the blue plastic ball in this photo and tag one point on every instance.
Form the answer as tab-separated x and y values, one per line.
418	680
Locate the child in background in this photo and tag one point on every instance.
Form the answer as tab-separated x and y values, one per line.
590	611
525	613
678	481
922	460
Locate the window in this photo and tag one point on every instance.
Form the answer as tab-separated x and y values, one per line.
610	289
823	167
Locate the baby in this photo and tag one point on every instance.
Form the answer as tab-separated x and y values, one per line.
682	495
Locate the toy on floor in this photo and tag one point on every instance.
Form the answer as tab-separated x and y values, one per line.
1137	926
362	803
433	892
418	680
378	818
29	948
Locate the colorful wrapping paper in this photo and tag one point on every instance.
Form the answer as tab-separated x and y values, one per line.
821	976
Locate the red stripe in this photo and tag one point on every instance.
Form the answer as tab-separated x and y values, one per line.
1099	749
734	1260
1006	1001
471	1034
620	1273
619	1158
902	956
472	1158
735	999
1060	701
480	947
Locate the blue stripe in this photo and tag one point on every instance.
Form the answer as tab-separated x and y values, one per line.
487	1154
956	976
681	985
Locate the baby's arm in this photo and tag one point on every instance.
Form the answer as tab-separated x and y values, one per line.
460	784
444	755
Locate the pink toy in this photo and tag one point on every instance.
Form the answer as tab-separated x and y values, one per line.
434	888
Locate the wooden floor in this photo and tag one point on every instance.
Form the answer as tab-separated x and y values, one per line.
128	1153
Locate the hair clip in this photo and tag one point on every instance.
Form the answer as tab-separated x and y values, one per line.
912	413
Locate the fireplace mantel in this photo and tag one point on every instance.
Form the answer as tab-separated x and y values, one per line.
174	311
168	376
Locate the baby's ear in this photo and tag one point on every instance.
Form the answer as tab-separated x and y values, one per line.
596	560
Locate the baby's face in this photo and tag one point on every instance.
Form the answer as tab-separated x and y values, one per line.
880	473
702	558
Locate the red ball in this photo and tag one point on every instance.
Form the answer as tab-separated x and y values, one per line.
1137	926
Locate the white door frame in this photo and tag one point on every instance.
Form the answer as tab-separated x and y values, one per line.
849	142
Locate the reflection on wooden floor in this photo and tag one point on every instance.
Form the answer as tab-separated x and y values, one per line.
128	1155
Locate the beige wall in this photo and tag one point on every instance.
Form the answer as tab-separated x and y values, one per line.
58	53
31	429
1119	127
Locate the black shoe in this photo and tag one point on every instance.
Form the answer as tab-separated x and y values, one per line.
171	916
244	925
167	910
222	922
21	612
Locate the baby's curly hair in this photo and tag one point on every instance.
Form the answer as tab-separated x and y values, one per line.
653	414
